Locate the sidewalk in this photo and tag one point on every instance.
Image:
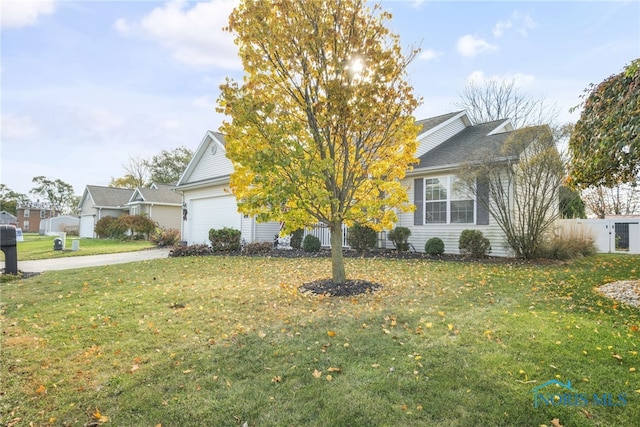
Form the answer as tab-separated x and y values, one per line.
67	263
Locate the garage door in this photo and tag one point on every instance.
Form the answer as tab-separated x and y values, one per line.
86	226
212	212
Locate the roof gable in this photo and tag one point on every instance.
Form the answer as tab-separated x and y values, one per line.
106	196
209	163
162	194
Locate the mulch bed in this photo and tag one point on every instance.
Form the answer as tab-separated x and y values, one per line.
348	288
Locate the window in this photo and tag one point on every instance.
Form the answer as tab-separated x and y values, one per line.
43	213
25	225
26	213
446	203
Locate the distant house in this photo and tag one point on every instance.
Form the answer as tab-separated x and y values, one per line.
445	144
63	223
98	202
30	215
159	202
7	218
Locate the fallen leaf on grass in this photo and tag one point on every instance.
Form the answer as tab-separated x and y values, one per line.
134	368
331	333
616	356
99	417
41	389
556	422
316	373
334	369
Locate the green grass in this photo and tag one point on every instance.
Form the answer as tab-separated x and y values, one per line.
36	247
227	340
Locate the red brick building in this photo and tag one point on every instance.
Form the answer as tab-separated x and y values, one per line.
29	216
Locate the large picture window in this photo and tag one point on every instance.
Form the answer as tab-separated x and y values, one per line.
446	202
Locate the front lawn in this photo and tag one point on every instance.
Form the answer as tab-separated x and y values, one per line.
224	341
36	246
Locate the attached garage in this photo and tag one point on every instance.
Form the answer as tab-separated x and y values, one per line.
211	212
87	226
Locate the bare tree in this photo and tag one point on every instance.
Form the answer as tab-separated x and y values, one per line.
490	100
623	199
519	187
137	174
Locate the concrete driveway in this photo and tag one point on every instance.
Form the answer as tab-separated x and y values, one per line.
67	263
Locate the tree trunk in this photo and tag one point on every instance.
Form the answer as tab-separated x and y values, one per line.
337	261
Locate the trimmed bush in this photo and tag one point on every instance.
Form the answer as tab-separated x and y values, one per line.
434	246
311	243
258	248
473	243
225	239
399	236
296	238
362	238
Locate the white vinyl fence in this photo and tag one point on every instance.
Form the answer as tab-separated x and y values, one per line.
610	235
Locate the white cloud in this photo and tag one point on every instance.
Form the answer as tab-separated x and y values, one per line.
21	13
14	126
501	27
430	54
191	31
470	46
519	79
519	22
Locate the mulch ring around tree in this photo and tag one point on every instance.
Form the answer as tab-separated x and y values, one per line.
348	288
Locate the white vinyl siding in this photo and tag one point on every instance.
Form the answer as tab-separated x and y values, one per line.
449	233
432	140
211	165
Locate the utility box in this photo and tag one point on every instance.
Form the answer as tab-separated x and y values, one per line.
9	247
75	244
57	244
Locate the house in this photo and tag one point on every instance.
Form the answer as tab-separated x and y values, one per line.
207	201
446	143
30	215
159	202
98	202
7	218
63	223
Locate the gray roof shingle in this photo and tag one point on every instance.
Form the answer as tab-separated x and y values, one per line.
109	196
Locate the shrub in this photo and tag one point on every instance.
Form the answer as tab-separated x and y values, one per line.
258	248
111	227
399	236
362	238
311	243
225	239
140	226
192	250
165	237
473	243
434	246
296	238
569	243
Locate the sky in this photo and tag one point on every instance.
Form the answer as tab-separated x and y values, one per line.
87	85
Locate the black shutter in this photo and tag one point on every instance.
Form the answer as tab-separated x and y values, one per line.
418	195
482	200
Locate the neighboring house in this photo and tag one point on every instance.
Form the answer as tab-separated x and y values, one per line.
7	218
29	216
98	202
64	223
446	143
160	203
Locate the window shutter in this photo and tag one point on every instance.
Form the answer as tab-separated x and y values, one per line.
418	196
482	199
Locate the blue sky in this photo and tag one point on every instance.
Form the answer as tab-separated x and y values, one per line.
85	85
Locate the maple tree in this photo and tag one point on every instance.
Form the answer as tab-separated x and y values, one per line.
321	127
605	145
